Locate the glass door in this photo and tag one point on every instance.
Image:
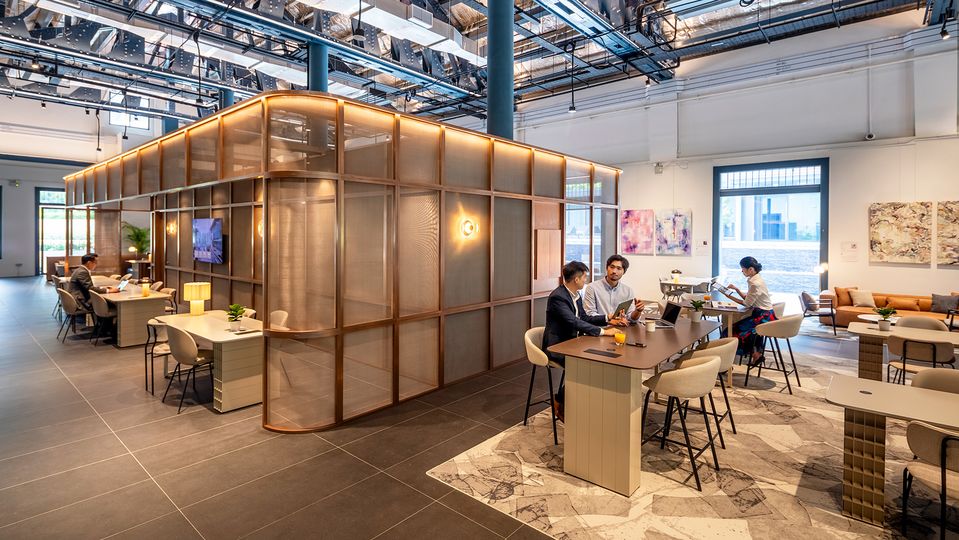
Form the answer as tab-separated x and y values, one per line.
51	226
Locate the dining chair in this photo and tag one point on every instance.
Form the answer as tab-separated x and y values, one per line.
157	345
249	313
917	355
103	313
184	350
172	308
935	465
821	307
126	277
71	310
923	323
156	286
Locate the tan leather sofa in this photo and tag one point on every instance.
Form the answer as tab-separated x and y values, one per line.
847	313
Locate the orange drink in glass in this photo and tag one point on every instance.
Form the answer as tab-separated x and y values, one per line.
619	337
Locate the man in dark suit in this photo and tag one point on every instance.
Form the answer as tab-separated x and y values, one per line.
81	281
567	319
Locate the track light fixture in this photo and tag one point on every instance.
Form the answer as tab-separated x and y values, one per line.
359	35
35	64
944	34
572	86
43	104
98	130
86	110
648	82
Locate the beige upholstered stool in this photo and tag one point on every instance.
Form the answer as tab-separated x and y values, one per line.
536	357
725	348
785	328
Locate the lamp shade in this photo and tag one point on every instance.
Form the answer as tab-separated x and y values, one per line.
197	290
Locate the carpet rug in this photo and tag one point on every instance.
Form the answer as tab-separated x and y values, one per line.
779	477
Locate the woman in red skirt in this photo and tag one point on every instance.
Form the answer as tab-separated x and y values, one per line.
756	297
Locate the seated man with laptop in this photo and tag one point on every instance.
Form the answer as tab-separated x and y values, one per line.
566	318
610	295
81	281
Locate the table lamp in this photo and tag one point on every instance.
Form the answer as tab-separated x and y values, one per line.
196	293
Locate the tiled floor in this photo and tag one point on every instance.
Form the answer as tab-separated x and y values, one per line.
85	452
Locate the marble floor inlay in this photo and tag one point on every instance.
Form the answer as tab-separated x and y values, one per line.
779	477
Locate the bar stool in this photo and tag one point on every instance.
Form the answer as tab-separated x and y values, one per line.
681	385
102	313
536	357
71	310
156	345
725	348
184	350
785	328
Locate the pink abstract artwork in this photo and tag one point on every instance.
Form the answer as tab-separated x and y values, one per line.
638	228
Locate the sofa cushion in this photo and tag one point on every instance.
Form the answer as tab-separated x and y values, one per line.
842	296
903	304
880	299
942	303
862	298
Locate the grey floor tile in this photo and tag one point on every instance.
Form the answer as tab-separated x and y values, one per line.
97	517
166	527
42	495
438	521
25	468
390	446
525	532
360	511
176	426
377	421
491	518
515	415
48	416
492	402
31	440
413	470
263	501
460	390
210	477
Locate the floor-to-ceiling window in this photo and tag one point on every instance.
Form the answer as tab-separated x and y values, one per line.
777	213
51	225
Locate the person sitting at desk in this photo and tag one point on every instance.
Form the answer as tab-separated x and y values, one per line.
606	294
81	281
566	319
756	297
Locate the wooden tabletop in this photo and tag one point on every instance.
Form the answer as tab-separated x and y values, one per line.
660	345
872	330
719	307
213	326
895	400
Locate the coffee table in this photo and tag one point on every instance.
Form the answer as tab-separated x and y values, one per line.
875	318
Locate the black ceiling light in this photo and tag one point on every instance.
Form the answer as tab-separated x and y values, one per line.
648	82
126	110
43	104
572	87
199	69
944	33
35	64
98	130
359	35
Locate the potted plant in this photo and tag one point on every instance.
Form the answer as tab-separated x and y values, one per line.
139	238
697	313
885	312
234	314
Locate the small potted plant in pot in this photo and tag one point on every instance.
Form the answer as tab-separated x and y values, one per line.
234	314
697	314
886	313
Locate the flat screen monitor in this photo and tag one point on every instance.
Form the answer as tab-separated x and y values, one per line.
208	240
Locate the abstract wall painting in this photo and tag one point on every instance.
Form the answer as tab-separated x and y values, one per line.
948	234
900	232
638	231
674	229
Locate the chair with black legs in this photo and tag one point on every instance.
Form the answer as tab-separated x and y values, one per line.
936	465
725	349
172	308
184	350
157	345
917	355
71	310
104	315
680	386
536	357
771	332
156	286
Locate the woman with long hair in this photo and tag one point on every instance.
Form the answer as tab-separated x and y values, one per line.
756	297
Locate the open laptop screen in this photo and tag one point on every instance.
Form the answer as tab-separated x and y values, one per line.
670	314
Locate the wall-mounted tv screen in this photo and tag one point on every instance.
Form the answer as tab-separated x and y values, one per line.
208	240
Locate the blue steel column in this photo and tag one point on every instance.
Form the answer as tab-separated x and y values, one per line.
499	68
227	98
170	124
318	67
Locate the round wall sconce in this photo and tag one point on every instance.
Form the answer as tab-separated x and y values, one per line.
468	228
171	228
259	229
132	249
821	268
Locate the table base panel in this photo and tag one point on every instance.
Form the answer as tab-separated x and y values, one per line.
132	320
864	467
870	358
237	374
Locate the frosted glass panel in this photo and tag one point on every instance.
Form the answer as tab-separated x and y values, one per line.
466	278
604	238
510	323
419	155
577	180
302	134
243	142
302	254
576	240
89	186
511	167
547	175
368	142
131	175
604	185
100	173
466	160
174	162
418	242
511	248
367	232
419	357
301	376
466	344
114	179
367	370
203	152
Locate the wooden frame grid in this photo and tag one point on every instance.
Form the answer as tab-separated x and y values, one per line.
264	178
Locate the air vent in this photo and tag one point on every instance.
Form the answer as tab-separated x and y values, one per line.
420	16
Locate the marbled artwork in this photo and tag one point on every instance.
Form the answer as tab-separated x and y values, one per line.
674	228
948	233
780	475
638	228
900	232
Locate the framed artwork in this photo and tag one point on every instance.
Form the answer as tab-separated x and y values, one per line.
948	233
900	232
638	230
674	231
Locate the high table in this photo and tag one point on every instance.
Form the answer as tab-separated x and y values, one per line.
237	358
604	398
871	341
867	403
133	312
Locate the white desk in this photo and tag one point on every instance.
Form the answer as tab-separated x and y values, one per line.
133	312
871	341
867	404
237	358
98	281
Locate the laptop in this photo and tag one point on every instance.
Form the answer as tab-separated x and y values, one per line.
123	284
670	316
